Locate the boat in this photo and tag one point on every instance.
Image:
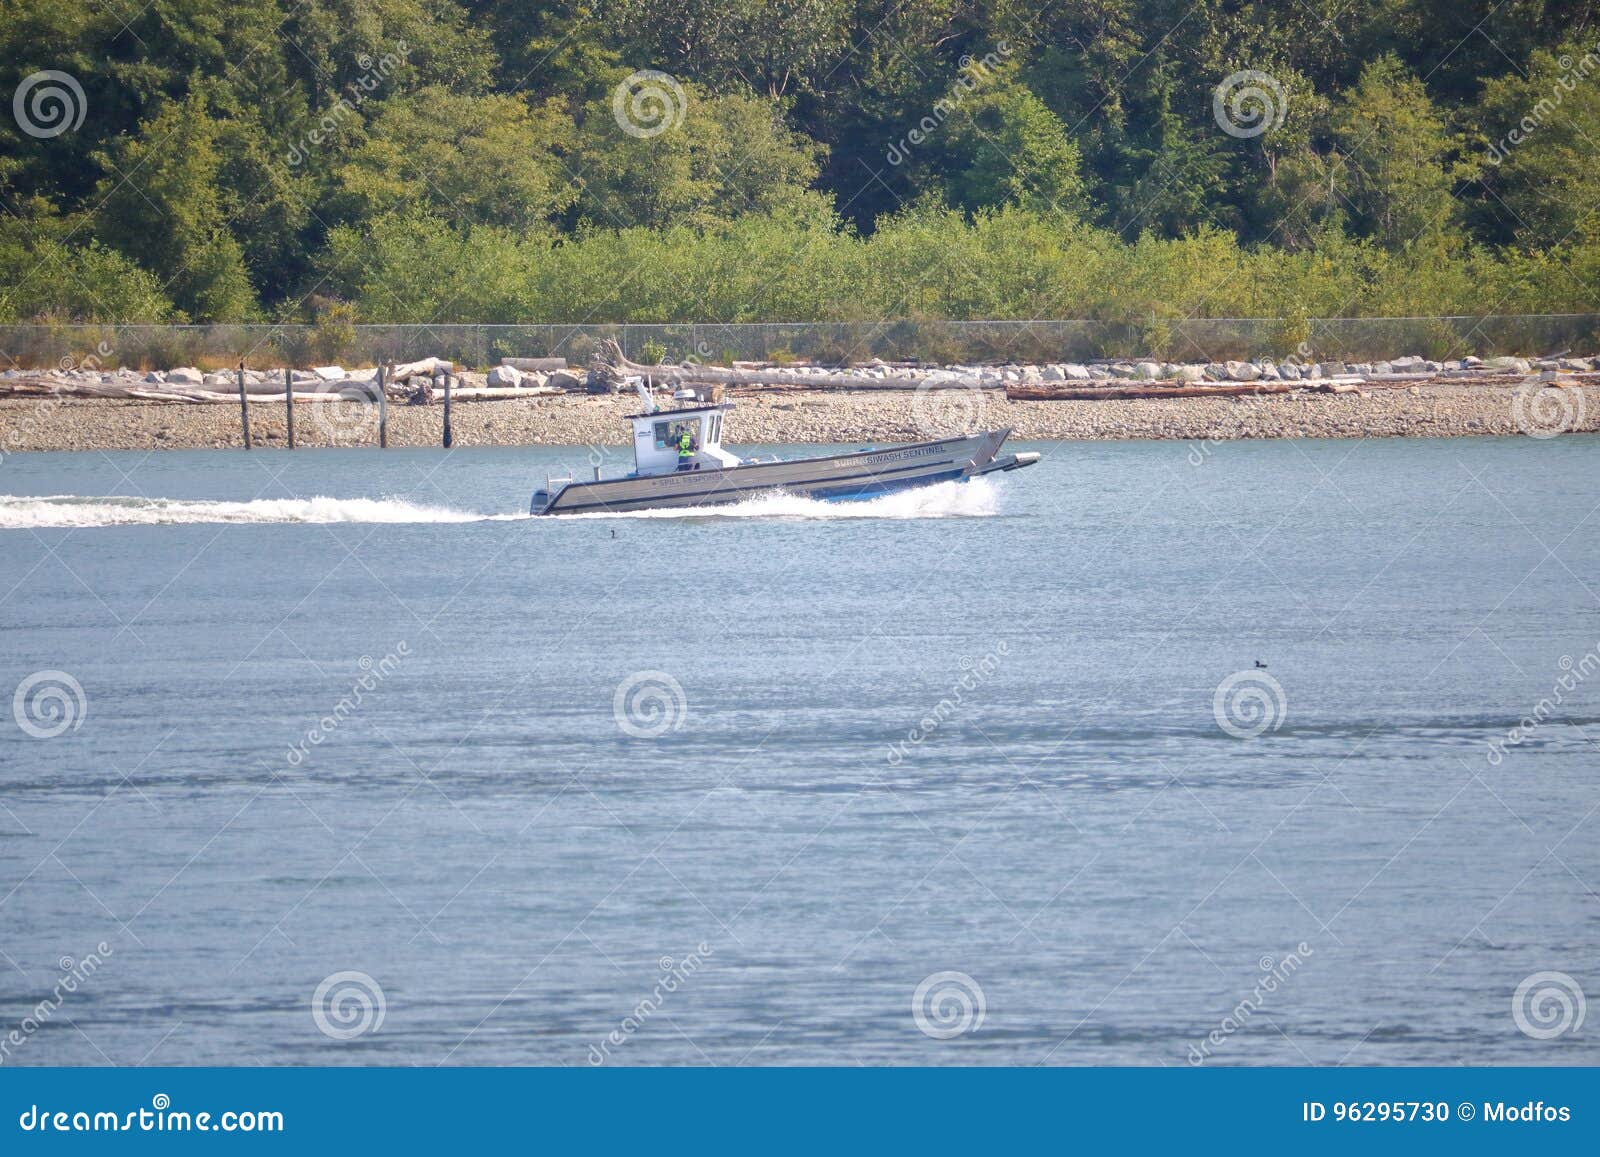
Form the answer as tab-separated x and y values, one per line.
709	475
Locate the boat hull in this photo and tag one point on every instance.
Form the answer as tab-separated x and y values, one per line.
863	474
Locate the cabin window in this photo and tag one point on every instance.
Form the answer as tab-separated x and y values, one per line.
716	429
668	433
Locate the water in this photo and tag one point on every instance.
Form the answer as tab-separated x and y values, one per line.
972	732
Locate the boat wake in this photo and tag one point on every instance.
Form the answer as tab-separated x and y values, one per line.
974	499
71	510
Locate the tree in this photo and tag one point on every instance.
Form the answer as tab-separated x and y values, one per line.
1397	156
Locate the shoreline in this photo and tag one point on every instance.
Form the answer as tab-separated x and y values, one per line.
776	417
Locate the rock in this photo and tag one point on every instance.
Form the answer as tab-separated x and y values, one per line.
1190	373
1408	364
1452	365
1216	372
566	380
1577	365
506	376
155	377
1269	370
1075	373
1147	371
1382	369
185	376
221	382
1242	372
1471	363
329	373
1052	374
1121	370
1290	371
1508	365
1333	369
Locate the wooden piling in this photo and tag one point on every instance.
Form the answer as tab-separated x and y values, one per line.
383	413
288	402
448	437
244	408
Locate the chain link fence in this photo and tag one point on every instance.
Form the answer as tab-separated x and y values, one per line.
946	342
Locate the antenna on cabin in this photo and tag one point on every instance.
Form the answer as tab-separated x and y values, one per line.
645	395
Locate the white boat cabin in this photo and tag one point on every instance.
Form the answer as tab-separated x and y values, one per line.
658	436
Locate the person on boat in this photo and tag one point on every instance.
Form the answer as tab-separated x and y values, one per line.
686	451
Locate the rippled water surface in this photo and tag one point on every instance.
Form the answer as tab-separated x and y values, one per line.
964	777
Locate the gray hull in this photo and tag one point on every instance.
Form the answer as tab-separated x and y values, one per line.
863	474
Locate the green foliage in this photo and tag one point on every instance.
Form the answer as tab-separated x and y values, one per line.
463	160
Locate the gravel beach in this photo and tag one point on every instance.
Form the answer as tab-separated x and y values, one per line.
1427	410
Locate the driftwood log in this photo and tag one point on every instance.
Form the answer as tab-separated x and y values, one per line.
1055	393
611	359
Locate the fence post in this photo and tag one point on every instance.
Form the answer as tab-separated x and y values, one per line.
288	402
383	412
448	438
244	407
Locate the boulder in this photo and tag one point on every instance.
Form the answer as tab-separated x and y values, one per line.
1053	374
1290	371
1242	372
329	373
1471	363
1189	373
1075	373
1382	369
1411	363
566	380
221	382
1509	365
507	376
1121	370
155	377
1147	371
1269	369
185	376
